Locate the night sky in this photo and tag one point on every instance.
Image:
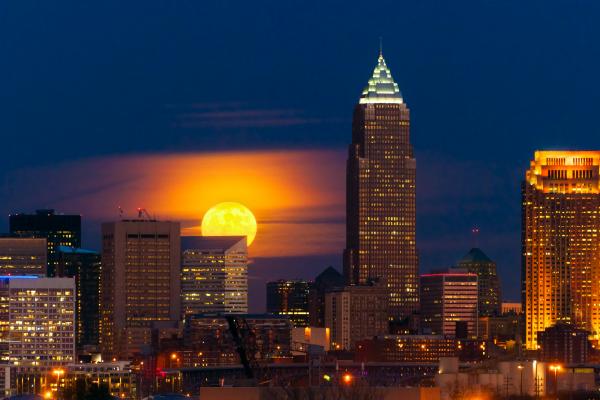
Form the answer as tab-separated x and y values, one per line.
175	106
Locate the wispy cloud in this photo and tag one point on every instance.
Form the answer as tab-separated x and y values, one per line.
239	115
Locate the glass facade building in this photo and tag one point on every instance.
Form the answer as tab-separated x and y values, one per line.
290	298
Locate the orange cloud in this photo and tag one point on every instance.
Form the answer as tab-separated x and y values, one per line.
297	196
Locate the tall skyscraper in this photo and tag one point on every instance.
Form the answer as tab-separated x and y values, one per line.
42	320
23	256
214	275
449	299
290	298
476	262
561	241
380	187
84	266
140	284
58	229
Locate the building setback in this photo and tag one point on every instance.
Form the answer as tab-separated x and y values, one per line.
449	300
57	229
140	284
290	298
356	312
23	256
380	195
560	242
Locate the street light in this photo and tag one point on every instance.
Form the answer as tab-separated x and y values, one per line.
556	368
521	367
347	378
58	372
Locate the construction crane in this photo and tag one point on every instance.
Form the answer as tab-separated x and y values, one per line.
142	212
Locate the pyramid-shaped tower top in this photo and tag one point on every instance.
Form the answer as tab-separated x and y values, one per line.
381	87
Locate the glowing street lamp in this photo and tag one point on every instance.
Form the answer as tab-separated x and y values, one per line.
347	378
556	368
521	367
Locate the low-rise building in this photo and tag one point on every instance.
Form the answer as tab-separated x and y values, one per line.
406	348
564	343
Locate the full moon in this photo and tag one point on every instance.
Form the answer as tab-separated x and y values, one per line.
229	219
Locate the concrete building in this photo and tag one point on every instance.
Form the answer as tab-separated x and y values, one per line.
448	301
57	229
310	337
511	308
356	312
214	275
41	312
560	241
380	195
564	343
84	266
488	282
140	284
23	256
290	298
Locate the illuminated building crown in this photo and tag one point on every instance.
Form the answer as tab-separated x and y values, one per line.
381	87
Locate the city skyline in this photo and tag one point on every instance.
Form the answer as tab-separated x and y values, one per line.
171	108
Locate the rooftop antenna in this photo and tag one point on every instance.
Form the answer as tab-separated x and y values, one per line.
475	235
380	46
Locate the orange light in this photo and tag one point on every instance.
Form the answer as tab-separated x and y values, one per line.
347	378
48	394
58	372
173	356
555	367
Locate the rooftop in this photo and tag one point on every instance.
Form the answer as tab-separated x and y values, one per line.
381	87
475	255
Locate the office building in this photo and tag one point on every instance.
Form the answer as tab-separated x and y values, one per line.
564	343
325	282
381	189
140	284
208	341
214	275
560	242
476	262
23	256
511	308
57	229
290	298
42	321
353	313
406	348
84	266
449	303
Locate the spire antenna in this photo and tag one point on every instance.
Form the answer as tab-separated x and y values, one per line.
380	46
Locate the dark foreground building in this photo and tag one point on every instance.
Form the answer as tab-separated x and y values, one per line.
85	267
290	298
380	194
564	343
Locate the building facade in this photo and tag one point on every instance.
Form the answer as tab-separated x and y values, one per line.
564	343
85	267
406	348
490	298
449	301
214	275
42	321
356	312
208	341
140	284
380	195
23	256
326	281
560	242
57	229
290	298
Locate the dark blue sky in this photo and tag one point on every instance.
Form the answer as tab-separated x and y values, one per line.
488	82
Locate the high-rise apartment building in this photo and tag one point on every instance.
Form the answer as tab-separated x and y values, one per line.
355	313
290	298
214	275
57	229
449	299
23	256
380	190
561	241
84	266
490	299
140	284
42	320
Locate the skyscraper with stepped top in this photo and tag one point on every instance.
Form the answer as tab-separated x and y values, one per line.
380	190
